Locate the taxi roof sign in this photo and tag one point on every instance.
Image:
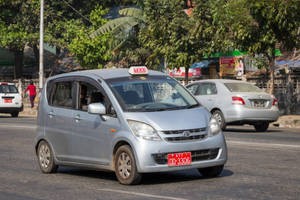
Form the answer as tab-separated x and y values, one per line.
138	70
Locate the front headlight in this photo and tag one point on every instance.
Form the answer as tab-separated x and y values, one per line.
142	130
214	127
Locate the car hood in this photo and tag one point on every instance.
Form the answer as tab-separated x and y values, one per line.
173	120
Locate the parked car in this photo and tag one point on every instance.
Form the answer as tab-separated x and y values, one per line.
129	121
10	99
234	102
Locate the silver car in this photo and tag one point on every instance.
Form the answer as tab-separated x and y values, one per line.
128	121
234	102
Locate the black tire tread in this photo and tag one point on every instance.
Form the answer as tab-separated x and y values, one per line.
135	177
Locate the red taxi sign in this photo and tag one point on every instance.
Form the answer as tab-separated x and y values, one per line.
138	70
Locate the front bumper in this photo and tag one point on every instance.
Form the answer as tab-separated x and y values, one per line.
241	113
151	156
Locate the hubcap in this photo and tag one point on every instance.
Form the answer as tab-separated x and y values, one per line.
124	165
44	156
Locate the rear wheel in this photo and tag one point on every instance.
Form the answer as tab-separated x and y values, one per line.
218	115
46	158
125	166
15	114
211	171
261	127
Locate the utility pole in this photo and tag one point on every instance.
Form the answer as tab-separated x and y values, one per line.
41	73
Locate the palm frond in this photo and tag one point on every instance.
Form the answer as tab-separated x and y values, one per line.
132	12
111	25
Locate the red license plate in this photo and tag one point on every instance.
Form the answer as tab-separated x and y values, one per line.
7	100
179	159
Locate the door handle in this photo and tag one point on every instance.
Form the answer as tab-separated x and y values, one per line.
51	114
77	118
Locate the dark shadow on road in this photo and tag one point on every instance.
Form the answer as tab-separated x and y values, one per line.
87	173
237	129
179	176
148	178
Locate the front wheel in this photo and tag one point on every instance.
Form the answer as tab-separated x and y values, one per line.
125	166
261	127
211	171
46	158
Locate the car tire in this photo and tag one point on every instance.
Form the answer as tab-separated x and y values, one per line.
261	127
218	115
46	158
211	172
15	114
125	166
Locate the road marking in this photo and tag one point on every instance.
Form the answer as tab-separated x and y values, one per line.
141	194
31	126
261	144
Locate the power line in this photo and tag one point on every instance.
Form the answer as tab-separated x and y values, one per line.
76	11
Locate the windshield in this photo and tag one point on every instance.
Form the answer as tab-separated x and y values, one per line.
8	89
242	87
153	93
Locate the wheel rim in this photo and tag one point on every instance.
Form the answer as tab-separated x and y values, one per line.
44	156
124	165
219	119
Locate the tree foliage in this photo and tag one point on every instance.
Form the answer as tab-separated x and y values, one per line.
89	52
18	21
173	36
258	26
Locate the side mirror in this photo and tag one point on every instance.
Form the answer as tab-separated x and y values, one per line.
97	108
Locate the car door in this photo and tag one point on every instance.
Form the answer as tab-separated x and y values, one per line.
207	94
58	123
92	139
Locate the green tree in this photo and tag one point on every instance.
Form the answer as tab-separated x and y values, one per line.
174	36
89	52
18	21
258	26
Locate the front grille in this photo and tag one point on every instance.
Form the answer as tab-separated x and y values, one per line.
198	155
193	137
185	135
181	131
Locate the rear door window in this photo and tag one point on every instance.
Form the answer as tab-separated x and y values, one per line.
63	95
207	89
8	89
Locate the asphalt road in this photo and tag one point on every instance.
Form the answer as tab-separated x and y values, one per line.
260	166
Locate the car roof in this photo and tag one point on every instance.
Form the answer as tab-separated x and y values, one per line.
107	73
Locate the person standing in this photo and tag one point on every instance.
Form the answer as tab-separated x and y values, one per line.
32	93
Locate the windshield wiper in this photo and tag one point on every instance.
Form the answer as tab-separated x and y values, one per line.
192	106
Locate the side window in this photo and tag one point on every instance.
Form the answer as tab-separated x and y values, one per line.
89	94
207	89
62	95
193	89
213	88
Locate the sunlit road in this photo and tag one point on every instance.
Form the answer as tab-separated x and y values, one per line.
260	166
